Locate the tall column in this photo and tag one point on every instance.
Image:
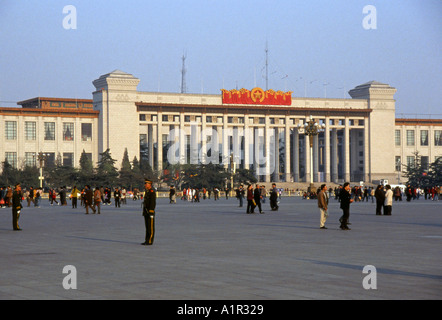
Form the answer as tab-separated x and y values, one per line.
316	158
225	149
275	165
295	152
366	152
194	128
247	136
160	141
346	151
307	159
327	149
182	141
203	153
287	150
150	144
267	148
334	156
236	147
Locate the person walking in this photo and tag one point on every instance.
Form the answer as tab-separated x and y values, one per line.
117	196
240	194
257	197
74	196
16	207
149	212
172	194
345	199
323	206
97	200
388	202
88	199
250	201
274	198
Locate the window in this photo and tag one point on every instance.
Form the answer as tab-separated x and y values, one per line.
30	130
410	137
410	161
49	130
11	157
142	117
86	132
438	138
397	137
165	117
68	159
240	119
229	119
11	130
30	159
209	119
50	159
68	131
262	120
144	148
186	118
425	164
424	137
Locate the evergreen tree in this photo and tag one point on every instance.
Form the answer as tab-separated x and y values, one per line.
435	172
86	170
417	175
107	174
10	176
126	175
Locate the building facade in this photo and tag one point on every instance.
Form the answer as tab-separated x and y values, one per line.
60	128
360	138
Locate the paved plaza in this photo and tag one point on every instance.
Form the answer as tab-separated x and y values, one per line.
213	250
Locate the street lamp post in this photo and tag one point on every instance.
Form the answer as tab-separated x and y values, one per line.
311	128
41	159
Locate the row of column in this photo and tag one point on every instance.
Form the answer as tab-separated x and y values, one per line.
248	145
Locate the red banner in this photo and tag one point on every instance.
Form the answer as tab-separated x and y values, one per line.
257	96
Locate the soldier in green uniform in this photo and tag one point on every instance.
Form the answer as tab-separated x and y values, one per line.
149	212
16	207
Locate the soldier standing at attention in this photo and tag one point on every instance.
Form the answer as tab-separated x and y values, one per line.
16	207
149	212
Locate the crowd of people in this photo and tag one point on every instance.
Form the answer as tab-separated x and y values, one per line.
92	199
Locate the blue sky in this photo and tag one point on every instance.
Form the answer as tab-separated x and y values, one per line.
311	43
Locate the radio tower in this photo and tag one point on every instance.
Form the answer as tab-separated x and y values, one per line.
183	75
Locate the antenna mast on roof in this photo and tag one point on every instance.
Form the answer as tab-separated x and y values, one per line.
183	75
267	66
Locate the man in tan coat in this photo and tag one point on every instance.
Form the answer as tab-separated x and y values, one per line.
323	205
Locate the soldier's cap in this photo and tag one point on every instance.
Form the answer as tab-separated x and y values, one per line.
148	181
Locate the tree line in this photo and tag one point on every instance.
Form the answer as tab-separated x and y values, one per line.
130	175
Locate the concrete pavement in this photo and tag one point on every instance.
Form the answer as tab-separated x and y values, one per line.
213	250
